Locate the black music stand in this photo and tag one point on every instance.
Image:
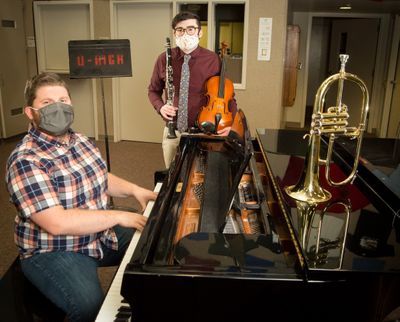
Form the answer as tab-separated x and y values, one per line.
100	59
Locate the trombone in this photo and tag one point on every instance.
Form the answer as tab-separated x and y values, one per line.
334	123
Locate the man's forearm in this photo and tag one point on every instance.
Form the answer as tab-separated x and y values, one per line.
59	221
120	188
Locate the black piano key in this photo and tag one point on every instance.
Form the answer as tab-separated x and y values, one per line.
123	315
124	308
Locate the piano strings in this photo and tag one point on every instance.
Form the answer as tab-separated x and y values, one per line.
244	220
189	218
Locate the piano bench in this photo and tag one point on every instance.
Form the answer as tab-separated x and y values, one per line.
23	301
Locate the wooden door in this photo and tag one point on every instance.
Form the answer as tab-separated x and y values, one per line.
291	65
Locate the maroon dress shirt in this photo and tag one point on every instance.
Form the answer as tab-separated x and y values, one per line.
203	64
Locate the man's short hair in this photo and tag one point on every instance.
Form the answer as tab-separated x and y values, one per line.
40	80
185	15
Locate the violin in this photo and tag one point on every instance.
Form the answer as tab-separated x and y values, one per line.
215	115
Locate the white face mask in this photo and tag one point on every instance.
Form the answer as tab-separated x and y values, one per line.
187	43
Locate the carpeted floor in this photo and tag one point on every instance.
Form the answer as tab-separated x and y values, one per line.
133	161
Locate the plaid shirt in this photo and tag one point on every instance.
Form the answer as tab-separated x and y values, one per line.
43	173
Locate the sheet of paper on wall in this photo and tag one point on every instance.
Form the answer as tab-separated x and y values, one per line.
264	39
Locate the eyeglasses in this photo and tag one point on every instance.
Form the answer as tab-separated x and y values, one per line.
190	30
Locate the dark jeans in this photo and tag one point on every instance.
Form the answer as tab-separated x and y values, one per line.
70	280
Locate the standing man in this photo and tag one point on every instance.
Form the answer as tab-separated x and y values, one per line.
202	64
59	185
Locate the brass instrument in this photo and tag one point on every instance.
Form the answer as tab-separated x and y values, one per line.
317	254
333	122
170	91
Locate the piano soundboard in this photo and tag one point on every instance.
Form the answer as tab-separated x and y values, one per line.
114	308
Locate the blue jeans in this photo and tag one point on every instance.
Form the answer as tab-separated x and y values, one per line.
70	279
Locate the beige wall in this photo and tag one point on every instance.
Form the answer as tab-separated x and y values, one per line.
30	32
261	100
101	16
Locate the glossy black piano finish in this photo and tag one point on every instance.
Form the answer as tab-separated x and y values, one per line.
356	234
381	158
278	274
373	224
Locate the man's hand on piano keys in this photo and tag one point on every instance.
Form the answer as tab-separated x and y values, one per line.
131	220
143	196
121	188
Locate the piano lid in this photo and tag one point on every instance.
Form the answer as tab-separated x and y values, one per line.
186	234
381	158
358	229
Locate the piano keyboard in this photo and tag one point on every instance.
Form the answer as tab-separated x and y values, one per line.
114	308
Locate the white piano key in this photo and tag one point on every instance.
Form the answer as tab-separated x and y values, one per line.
113	299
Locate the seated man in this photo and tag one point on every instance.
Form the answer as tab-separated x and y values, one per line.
59	185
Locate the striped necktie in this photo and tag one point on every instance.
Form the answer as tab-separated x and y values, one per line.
182	122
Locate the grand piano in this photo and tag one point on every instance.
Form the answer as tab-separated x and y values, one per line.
224	242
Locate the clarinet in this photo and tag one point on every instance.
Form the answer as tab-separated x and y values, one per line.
169	88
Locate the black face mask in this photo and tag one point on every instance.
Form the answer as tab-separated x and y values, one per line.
55	118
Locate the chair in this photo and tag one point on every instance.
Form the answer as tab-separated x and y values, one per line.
21	301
